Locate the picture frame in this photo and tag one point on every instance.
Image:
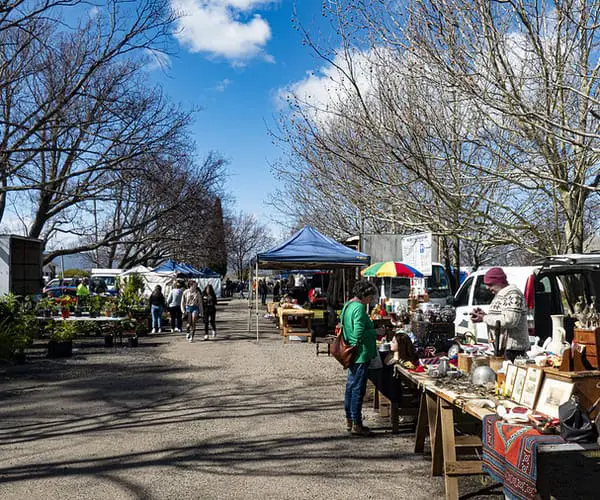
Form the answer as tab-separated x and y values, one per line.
509	381
518	386
554	392
531	387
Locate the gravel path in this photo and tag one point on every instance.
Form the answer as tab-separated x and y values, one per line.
223	419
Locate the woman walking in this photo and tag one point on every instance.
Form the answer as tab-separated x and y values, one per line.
209	301
359	331
191	305
157	304
174	305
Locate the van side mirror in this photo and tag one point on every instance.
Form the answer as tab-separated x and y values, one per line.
450	301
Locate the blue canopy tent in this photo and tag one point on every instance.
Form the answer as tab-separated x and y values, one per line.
307	249
207	272
171	266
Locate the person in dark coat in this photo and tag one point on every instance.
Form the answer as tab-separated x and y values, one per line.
209	300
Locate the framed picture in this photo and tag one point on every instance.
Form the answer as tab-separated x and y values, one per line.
554	393
531	387
509	381
518	386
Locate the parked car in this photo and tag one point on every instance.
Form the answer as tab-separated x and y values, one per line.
60	291
58	282
553	286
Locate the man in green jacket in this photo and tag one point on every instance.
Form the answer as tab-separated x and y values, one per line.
358	330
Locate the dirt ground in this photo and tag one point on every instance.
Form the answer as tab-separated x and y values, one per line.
227	418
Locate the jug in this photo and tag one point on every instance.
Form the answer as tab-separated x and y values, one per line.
444	366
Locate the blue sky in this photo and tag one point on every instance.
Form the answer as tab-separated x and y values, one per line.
233	57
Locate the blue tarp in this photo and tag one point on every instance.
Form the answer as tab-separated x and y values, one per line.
171	266
207	272
310	249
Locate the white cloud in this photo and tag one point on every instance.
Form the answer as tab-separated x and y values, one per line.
222	85
223	28
322	91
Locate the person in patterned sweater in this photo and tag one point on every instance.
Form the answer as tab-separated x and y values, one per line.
508	306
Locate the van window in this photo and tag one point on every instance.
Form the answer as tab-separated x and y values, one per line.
481	296
572	287
462	297
395	288
437	284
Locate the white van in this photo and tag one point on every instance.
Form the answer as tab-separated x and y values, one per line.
473	293
109	276
551	287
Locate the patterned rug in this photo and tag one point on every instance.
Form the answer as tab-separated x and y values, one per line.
510	455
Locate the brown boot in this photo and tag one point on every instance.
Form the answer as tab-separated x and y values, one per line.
360	430
349	424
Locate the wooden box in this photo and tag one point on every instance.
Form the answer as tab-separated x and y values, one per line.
586	384
590	338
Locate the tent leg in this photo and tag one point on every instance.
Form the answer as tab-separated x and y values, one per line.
250	305
256	301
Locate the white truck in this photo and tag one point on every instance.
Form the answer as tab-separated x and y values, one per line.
108	276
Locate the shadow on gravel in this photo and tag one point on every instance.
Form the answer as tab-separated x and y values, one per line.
226	456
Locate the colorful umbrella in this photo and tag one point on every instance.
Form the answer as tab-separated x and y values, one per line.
391	269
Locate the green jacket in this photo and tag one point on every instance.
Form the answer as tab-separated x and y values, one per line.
359	329
82	290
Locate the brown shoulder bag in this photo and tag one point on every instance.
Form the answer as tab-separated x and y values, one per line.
340	349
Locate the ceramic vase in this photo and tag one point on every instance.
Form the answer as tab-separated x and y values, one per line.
558	343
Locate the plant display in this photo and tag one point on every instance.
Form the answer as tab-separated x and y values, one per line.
64	331
18	325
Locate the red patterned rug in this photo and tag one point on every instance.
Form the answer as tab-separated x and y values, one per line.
510	455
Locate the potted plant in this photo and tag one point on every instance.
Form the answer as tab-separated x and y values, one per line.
66	305
129	328
95	305
60	344
18	324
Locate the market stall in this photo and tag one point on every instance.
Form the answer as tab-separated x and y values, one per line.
306	249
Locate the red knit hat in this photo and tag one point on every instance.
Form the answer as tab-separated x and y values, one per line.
495	276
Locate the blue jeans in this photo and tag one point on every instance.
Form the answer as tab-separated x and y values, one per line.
156	314
355	391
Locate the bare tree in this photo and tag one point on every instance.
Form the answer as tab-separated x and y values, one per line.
41	109
246	237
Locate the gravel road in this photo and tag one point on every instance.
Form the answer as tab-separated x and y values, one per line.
222	419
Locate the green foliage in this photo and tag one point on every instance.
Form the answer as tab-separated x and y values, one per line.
95	303
130	297
18	325
64	331
76	273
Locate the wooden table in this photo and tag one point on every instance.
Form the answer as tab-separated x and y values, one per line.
301	330
436	417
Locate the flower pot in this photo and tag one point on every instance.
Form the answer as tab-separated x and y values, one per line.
47	313
65	312
108	340
93	314
63	349
132	341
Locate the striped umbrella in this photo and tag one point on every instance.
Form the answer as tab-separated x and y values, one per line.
391	269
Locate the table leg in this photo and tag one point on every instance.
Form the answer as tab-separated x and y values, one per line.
449	447
309	325
422	426
394	416
435	434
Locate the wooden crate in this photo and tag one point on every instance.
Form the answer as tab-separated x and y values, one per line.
590	338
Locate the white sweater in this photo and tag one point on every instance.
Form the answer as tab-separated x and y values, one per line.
508	307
